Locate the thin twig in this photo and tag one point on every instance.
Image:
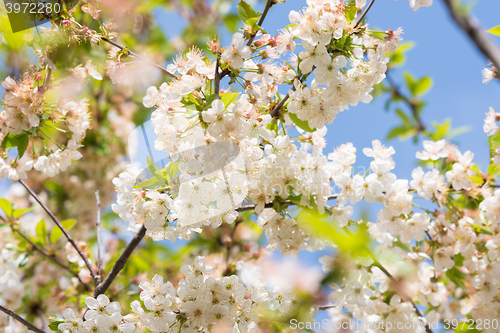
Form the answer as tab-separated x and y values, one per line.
269	4
482	41
138	56
120	263
275	113
270	205
326	307
98	225
59	225
364	14
411	104
20	319
218	76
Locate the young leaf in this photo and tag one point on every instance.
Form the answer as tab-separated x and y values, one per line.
246	11
494	30
22	144
350	12
456	276
404	118
19	212
228	98
300	123
41	232
423	85
6	206
56	232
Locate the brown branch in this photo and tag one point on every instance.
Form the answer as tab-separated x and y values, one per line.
269	4
59	225
411	104
468	24
326	307
51	257
20	319
364	14
138	56
120	263
98	226
275	113
270	205
218	76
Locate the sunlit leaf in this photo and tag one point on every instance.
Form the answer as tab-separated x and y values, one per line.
495	30
41	231
56	232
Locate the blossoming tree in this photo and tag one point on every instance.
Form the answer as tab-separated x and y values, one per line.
246	171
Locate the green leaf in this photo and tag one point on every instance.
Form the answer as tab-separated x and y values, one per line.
56	232
481	230
19	141
495	30
172	169
300	123
246	11
495	140
316	224
441	130
456	276
350	12
402	132
459	259
423	85
252	22
22	144
410	82
398	57
228	98
41	231
54	323
232	22
19	212
151	165
404	118
6	206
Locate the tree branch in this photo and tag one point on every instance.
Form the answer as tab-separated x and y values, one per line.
59	225
364	14
269	4
138	56
468	24
98	225
20	319
218	76
411	104
275	113
120	263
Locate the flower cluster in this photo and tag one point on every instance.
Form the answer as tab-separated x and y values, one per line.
328	46
201	303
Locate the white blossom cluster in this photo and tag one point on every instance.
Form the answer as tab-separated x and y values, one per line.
24	109
328	47
201	303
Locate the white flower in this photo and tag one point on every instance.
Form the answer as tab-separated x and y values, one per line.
433	150
237	52
100	306
442	259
